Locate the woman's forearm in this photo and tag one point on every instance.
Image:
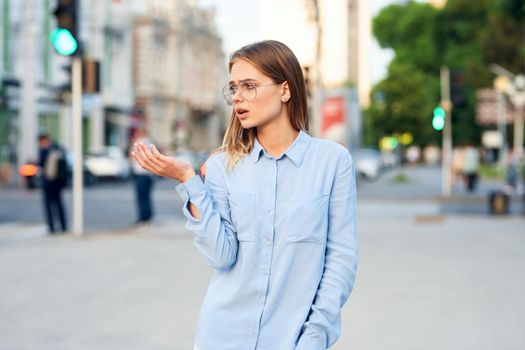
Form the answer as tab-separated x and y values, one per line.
194	211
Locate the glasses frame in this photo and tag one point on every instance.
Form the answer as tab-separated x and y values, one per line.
228	95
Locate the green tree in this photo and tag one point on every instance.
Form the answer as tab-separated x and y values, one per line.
402	103
404	100
465	38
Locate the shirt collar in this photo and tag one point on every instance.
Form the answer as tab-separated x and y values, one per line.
255	154
295	152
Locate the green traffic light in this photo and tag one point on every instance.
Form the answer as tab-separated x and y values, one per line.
438	121
64	43
439	112
392	141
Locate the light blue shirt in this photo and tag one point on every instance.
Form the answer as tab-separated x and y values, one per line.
280	233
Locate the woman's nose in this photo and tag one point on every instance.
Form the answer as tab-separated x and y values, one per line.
237	96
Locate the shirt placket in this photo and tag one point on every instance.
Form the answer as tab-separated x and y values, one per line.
267	233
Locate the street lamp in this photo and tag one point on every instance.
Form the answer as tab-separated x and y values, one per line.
501	84
515	89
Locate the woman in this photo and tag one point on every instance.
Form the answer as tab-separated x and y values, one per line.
276	216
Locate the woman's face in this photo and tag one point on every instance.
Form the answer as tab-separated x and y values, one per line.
268	104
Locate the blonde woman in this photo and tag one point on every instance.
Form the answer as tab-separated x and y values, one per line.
275	217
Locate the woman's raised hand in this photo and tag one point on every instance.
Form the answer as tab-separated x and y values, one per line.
155	162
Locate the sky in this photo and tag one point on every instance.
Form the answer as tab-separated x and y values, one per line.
238	24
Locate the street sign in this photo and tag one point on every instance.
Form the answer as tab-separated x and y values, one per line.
491	139
487	108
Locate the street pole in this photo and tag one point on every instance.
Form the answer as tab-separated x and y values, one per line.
502	128
446	172
518	133
315	74
28	127
516	91
518	98
78	216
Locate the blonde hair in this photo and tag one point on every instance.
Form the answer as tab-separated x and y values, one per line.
277	61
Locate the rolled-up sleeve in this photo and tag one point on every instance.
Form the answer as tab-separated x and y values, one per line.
323	325
213	231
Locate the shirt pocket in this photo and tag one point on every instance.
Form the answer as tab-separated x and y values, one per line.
242	208
306	219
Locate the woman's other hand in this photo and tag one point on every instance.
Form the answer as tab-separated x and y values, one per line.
155	162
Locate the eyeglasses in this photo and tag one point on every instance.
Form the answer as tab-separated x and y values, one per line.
247	90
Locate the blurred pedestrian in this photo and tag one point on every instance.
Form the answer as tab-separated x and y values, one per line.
458	160
275	217
471	167
143	183
515	175
52	162
413	154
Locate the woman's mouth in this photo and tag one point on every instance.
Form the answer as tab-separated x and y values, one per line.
241	113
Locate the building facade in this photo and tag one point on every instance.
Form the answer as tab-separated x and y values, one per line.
178	72
336	56
161	67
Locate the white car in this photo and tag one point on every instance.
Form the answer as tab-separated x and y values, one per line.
108	162
368	163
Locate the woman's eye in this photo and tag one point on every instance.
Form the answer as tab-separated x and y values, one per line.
250	86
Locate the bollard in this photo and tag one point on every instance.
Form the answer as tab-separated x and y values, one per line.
498	203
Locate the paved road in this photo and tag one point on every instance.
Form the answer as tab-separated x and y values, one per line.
111	206
108	206
425	281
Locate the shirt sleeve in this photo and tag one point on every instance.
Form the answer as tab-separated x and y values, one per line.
213	233
323	325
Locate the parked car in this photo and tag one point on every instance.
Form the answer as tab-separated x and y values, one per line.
390	159
108	162
368	163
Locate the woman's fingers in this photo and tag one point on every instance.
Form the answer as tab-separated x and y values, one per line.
139	159
158	156
151	157
152	160
143	156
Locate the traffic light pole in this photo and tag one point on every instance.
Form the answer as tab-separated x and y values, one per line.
446	169
76	91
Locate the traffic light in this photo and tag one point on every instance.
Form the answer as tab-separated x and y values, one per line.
65	36
438	121
457	88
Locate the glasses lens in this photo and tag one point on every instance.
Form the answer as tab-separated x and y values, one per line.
248	91
227	92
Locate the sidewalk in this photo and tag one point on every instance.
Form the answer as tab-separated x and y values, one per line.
423	184
455	283
162	229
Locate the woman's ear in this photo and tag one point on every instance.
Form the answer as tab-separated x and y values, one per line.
285	94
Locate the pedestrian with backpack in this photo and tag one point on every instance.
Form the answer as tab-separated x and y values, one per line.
52	162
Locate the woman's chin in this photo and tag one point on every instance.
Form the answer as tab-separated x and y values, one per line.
247	124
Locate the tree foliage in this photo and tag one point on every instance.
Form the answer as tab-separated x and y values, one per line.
465	38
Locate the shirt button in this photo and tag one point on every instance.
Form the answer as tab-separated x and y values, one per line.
260	300
270	212
268	243
265	271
